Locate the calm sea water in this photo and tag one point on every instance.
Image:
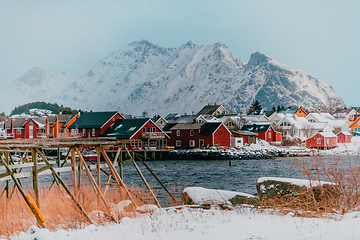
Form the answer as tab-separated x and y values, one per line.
216	174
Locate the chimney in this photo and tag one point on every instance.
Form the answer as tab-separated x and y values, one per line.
193	113
214	104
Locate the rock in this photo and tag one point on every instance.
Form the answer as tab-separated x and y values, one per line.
274	191
207	197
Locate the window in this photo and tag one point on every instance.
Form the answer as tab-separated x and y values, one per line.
191	132
269	134
192	143
30	123
18	131
327	141
153	130
61	130
144	129
177	132
93	131
201	142
165	143
84	131
319	141
178	143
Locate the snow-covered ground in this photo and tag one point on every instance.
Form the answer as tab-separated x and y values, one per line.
186	223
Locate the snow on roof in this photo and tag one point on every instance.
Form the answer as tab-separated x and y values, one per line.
338	123
327	134
345	133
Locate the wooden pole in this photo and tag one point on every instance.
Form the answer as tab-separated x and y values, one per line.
120	165
98	166
7	186
38	219
116	176
73	164
35	177
88	218
143	179
92	180
162	185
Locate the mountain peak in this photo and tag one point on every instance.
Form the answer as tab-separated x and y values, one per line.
258	58
190	44
32	77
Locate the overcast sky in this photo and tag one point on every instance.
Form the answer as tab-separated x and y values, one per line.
319	36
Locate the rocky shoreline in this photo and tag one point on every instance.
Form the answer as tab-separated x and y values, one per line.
229	154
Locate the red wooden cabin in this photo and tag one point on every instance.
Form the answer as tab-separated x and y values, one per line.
196	135
322	140
344	137
265	132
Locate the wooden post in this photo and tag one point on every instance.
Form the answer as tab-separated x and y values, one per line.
73	164
7	186
98	166
79	170
120	165
92	180
55	174
40	222
58	157
35	177
116	176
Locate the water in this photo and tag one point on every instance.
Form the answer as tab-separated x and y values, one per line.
216	174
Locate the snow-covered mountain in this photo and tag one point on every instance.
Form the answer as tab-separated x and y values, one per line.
144	76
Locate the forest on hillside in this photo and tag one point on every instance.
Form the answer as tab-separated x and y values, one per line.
54	107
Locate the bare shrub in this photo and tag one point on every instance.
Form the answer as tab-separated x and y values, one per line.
340	196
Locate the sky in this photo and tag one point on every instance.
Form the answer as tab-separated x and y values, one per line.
319	36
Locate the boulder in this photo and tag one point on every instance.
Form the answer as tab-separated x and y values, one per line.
273	191
207	197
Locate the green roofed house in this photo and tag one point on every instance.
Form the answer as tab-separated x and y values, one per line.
93	124
213	110
142	133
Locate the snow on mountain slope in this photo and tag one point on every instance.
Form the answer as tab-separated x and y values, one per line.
144	76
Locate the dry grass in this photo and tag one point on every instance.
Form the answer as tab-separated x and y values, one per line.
61	212
341	196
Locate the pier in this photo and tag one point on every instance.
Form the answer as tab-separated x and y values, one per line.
33	162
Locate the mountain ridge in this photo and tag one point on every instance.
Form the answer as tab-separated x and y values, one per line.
144	76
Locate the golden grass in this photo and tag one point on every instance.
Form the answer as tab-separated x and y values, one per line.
61	212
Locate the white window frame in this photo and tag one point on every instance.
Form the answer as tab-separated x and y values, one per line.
191	132
192	143
84	132
178	143
178	133
318	140
93	131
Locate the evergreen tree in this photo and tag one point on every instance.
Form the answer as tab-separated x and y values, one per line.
255	108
